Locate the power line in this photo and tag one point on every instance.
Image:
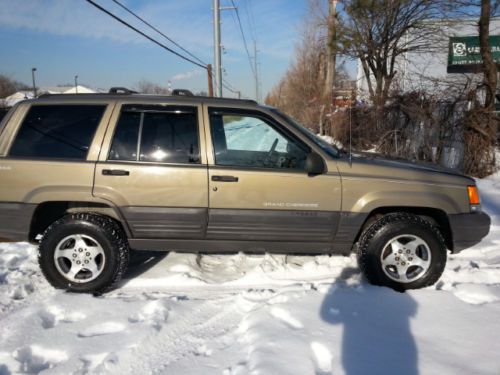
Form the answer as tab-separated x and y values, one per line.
228	86
251	20
158	31
243	36
224	83
144	35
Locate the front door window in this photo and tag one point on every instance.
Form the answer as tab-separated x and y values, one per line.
245	140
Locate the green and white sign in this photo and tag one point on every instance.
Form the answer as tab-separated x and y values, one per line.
464	55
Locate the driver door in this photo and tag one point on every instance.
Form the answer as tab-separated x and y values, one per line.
259	189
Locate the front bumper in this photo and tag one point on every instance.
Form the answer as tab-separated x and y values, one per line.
468	229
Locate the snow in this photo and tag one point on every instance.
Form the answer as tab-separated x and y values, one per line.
331	140
255	314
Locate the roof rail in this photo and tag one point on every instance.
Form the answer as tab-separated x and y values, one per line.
181	92
121	90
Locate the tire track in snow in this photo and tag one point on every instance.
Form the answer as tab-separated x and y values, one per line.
268	329
208	323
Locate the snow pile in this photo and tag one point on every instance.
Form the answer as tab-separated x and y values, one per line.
19	274
181	272
255	314
331	140
473	275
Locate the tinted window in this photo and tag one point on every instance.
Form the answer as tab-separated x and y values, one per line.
156	134
57	131
4	117
3	113
253	141
124	146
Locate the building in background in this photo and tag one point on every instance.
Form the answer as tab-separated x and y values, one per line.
422	71
11	100
66	90
15	98
425	77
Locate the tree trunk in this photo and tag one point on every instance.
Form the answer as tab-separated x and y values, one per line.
321	122
489	66
331	52
481	123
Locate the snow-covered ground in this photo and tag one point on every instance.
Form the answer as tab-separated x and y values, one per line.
238	314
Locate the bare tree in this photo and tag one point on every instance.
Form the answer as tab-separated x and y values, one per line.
489	66
482	122
379	32
9	86
148	87
300	92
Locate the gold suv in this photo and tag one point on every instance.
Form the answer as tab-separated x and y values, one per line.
91	176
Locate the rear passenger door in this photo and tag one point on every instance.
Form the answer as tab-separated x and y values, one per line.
152	167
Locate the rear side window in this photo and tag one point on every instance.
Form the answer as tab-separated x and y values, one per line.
57	131
156	134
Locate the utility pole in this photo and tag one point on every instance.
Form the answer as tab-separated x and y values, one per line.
217	47
256	66
76	84
33	70
217	52
210	81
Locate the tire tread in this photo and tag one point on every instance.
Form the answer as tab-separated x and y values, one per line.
388	219
111	228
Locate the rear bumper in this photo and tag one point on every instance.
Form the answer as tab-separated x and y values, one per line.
468	229
15	220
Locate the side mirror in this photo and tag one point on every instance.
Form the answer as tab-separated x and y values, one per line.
315	164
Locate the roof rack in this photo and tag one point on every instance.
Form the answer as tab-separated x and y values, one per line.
121	90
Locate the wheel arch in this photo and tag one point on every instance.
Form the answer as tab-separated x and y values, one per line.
435	216
50	211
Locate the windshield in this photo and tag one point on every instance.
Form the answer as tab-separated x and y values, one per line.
324	145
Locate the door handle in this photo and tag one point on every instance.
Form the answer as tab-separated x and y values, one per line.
225	178
115	172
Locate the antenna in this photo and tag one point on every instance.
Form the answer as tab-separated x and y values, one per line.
350	135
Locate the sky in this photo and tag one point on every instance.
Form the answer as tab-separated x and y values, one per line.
64	38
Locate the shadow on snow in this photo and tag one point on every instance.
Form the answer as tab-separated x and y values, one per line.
376	337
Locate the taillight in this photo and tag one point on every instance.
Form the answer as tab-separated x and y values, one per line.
473	195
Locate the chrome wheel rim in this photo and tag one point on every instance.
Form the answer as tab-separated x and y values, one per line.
79	258
406	258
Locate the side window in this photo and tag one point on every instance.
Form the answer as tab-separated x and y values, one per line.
57	131
156	134
124	146
249	140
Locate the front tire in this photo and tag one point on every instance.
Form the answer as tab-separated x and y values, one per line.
402	251
84	252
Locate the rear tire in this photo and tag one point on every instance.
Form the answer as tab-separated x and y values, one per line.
84	252
402	251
